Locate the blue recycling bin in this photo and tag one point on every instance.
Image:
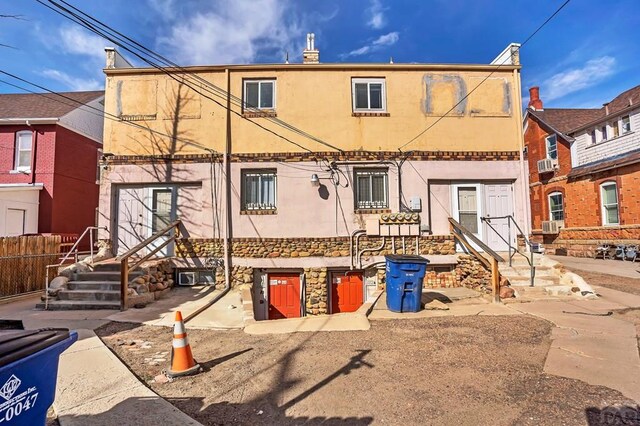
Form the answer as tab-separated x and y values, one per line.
28	373
405	274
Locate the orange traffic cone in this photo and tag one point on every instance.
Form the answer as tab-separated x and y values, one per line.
182	362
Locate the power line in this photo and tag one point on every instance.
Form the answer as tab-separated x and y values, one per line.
486	78
132	46
90	109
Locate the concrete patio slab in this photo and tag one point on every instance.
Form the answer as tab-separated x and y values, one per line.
611	267
226	313
335	322
162	312
627	300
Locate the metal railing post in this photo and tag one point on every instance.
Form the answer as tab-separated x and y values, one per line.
509	238
124	283
91	244
533	269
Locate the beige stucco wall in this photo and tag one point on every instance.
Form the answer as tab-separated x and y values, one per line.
318	101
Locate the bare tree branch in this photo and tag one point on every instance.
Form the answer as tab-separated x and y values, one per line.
18	17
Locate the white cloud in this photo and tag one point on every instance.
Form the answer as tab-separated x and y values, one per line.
382	41
238	31
375	13
73	83
573	80
78	41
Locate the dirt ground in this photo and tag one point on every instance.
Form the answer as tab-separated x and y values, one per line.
629	285
464	370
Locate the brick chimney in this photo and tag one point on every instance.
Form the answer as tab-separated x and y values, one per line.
534	98
311	55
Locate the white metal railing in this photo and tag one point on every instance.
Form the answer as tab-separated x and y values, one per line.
75	252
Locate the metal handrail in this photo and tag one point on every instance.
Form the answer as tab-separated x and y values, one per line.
75	252
125	268
510	219
476	240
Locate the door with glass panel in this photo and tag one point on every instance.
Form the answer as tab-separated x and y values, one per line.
161	212
467	208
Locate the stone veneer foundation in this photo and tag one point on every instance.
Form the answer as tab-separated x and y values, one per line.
582	242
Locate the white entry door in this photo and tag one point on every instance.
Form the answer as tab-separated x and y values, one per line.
142	211
467	208
499	203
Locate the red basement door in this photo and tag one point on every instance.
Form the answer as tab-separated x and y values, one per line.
284	295
346	292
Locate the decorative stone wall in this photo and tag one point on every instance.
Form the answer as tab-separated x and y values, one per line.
317	292
306	247
582	242
472	274
240	276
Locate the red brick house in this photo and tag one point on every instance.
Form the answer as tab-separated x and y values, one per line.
49	147
584	174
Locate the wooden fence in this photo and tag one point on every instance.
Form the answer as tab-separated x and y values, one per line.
23	262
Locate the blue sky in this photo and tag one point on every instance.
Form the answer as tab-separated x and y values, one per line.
585	56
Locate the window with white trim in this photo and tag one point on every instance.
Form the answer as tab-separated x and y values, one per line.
468	208
609	201
603	133
626	124
24	146
372	188
615	128
552	147
258	190
369	94
593	137
259	94
556	207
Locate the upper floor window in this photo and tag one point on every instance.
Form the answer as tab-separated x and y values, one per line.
609	201
258	190
372	188
24	143
616	129
603	133
593	137
626	124
552	147
260	94
368	94
556	208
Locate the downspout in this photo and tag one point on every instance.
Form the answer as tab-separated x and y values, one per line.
227	209
524	179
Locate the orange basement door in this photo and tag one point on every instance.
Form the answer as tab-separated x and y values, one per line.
346	292
284	295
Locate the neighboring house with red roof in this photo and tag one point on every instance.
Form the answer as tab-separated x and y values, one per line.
49	147
584	173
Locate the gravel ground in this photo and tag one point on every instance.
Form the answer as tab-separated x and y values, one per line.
464	370
629	285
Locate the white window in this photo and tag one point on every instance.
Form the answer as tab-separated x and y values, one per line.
609	199
258	190
593	137
552	147
556	209
603	133
616	129
369	94
372	188
626	124
23	150
160	209
260	94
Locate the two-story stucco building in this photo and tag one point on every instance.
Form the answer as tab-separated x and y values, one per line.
290	162
584	170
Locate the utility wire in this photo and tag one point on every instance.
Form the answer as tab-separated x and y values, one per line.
486	78
90	109
87	21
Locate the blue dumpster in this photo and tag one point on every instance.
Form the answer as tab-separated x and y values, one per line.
405	274
28	373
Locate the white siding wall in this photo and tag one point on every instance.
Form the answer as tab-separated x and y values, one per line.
587	153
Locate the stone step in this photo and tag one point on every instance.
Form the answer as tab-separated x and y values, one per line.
94	285
77	305
103	276
519	281
107	267
541	271
90	295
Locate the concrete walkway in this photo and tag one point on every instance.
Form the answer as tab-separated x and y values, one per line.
95	388
599	350
611	267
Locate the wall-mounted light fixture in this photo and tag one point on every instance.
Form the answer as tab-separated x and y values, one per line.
315	180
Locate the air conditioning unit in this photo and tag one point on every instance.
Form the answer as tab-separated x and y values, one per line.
552	226
187	278
547	165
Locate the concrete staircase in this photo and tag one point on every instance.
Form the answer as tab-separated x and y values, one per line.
547	281
98	289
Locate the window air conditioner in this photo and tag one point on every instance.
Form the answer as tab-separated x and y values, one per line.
552	226
547	165
187	278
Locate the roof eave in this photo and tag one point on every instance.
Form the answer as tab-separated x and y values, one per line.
605	118
564	136
29	121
